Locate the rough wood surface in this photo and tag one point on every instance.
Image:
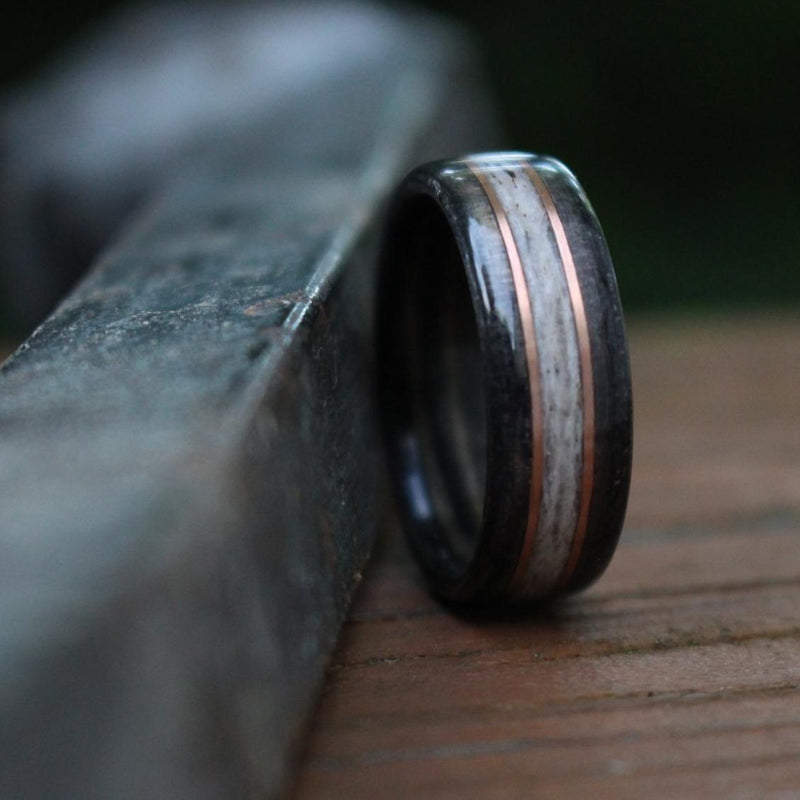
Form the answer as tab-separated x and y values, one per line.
188	471
676	675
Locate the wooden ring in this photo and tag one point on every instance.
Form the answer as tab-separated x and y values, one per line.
504	378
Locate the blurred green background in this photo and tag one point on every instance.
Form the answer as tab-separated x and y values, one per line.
680	119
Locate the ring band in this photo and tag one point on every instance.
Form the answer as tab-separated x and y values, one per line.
504	378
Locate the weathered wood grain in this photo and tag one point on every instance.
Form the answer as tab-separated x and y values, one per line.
676	675
717	405
189	475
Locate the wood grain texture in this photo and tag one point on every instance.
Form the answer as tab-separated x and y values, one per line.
677	675
188	452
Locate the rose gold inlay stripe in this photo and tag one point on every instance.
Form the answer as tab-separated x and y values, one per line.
532	361
587	378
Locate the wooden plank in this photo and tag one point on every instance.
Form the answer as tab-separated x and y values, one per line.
189	474
716	401
678	674
618	624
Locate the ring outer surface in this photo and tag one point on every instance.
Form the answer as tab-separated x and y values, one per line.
491	575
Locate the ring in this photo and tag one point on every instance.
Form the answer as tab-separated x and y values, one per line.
504	378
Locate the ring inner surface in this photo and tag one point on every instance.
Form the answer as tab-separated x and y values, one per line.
446	378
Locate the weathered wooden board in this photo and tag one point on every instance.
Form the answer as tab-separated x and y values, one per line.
676	675
188	466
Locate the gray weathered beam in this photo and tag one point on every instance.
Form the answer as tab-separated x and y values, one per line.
188	466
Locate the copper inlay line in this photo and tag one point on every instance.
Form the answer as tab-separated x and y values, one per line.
532	362
587	377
